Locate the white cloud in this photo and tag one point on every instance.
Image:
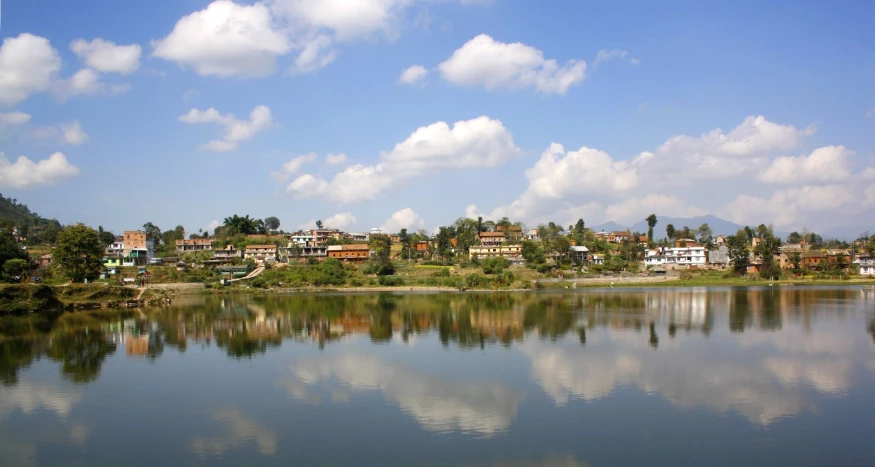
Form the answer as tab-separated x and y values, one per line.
13	118
234	131
406	218
786	208
632	210
73	134
241	430
24	173
347	20
826	164
479	142
413	74
211	227
607	55
226	39
317	53
106	56
293	166
340	221
86	82
498	65
28	65
335	159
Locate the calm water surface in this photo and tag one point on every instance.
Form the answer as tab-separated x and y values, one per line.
689	376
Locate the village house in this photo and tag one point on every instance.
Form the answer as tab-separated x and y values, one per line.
721	240
421	246
719	257
491	238
45	260
533	235
195	244
601	235
491	251
597	259
356	236
137	247
680	256
579	254
321	236
261	253
867	265
654	257
512	233
812	260
643	240
354	252
618	236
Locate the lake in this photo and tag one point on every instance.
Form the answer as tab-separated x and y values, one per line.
680	376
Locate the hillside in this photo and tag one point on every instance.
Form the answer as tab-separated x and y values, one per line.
19	214
718	225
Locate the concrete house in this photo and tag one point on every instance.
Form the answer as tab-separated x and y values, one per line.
195	244
261	253
491	238
354	253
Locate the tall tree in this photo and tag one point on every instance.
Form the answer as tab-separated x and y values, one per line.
768	248
466	234
651	223
404	240
579	232
105	237
670	232
739	254
272	223
235	225
479	224
381	248
152	231
704	234
79	252
794	237
444	244
319	224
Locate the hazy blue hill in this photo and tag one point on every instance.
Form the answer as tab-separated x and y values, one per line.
19	214
718	225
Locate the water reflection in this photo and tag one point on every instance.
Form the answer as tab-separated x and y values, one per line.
437	404
474	365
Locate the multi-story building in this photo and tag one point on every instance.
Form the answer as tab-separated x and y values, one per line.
867	265
354	252
194	244
507	251
228	253
677	256
491	238
261	253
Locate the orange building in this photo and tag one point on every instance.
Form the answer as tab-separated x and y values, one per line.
355	252
135	239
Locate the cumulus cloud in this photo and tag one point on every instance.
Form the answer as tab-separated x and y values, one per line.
28	65
735	169
87	82
24	173
335	159
498	65
230	39
70	133
826	164
340	221
479	142
293	166
234	131
106	56
413	74
406	218
13	118
226	39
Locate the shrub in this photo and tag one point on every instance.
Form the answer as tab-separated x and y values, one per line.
390	281
543	268
443	272
475	280
494	265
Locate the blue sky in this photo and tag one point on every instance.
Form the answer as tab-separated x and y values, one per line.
756	113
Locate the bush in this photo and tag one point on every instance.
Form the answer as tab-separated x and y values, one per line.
380	268
443	272
475	280
543	268
494	265
390	281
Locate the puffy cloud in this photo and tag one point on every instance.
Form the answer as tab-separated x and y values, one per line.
13	118
607	55
226	39
479	142
28	65
341	221
73	134
826	164
413	74
106	56
234	130
347	20
24	173
293	166
669	180
498	65
317	53
406	218
335	159
86	82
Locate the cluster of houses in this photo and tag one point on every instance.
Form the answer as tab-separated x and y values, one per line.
134	248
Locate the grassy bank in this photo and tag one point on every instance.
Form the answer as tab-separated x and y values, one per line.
19	299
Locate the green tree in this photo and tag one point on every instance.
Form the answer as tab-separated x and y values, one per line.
704	234
670	231
319	224
381	248
152	231
651	223
105	237
466	235
739	254
16	267
81	352
532	253
235	225
404	240
794	237
79	252
495	265
444	243
272	223
9	250
768	248
579	232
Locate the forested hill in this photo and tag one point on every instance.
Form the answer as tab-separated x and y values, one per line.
19	214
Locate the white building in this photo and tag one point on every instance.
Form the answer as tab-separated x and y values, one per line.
867	265
654	257
677	256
